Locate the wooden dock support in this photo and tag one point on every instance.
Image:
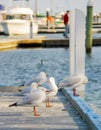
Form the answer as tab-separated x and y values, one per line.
89	27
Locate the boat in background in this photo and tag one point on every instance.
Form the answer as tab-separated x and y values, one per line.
2	16
1	19
19	20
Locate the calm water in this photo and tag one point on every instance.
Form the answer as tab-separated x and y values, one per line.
19	66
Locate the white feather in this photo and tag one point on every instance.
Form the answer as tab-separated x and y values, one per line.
35	98
73	81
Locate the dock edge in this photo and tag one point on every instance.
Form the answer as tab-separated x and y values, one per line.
86	112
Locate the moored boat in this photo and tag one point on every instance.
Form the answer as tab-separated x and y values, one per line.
18	21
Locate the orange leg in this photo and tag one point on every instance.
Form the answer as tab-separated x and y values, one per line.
48	103
35	113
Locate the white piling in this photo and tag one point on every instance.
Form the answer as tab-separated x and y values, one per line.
77	45
31	29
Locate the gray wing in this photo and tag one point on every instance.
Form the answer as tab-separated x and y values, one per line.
37	79
69	81
26	90
32	97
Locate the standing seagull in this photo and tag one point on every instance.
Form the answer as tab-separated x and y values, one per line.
72	82
52	92
40	79
35	98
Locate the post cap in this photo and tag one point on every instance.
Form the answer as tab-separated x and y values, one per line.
90	3
47	9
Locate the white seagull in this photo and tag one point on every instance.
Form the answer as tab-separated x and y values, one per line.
73	81
35	98
52	91
40	79
29	89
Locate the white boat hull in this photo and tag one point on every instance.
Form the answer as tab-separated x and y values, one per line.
18	22
17	27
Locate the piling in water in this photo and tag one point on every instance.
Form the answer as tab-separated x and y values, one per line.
31	29
89	28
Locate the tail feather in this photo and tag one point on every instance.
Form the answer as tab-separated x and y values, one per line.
14	104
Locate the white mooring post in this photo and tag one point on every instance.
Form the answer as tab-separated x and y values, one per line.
31	29
77	45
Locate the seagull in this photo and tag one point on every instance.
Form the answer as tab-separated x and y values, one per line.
40	79
29	89
52	91
35	98
73	81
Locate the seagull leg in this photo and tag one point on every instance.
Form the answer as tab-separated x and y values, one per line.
47	103
35	113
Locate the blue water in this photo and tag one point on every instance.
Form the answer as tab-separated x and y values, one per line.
93	71
20	65
17	66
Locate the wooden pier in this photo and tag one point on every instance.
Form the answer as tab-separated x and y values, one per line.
67	113
61	116
37	41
